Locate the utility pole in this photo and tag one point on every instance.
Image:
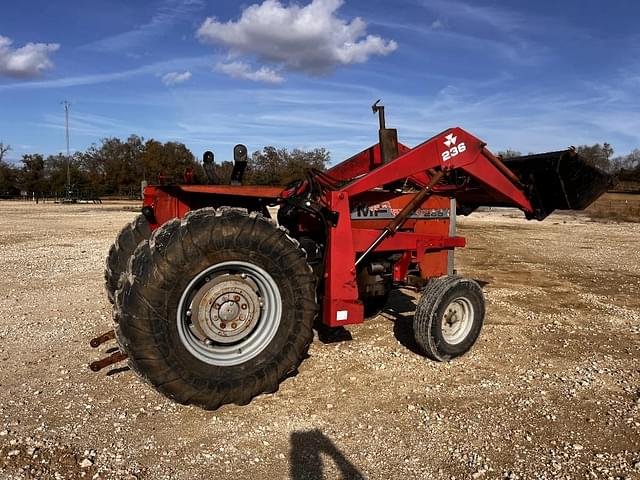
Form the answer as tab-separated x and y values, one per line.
66	126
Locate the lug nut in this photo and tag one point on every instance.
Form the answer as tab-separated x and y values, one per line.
243	306
234	325
223	325
236	298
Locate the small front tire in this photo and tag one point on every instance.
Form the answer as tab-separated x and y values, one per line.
449	317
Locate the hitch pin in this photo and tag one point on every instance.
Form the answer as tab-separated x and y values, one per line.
105	362
105	337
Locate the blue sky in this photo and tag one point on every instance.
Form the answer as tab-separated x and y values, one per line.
532	76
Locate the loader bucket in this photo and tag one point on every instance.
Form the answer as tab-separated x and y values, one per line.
559	180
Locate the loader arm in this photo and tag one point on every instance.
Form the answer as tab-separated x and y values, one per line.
447	151
434	166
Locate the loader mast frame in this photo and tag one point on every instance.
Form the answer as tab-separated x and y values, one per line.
427	166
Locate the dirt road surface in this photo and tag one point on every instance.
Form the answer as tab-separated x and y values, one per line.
551	389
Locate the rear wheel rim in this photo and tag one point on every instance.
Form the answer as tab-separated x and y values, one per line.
229	313
457	320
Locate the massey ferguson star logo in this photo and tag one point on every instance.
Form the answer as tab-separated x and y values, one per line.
453	150
450	140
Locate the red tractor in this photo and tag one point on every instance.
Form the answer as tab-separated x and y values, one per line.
215	301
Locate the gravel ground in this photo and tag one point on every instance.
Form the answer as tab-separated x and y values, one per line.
551	389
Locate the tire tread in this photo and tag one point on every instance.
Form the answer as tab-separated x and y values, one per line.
427	310
120	252
161	260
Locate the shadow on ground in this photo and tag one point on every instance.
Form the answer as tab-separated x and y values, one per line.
400	309
306	461
117	370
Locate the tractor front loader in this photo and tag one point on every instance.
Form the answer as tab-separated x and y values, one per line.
214	301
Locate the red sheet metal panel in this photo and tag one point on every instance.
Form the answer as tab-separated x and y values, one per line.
341	305
434	263
262	191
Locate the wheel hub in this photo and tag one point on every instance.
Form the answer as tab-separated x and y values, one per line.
226	309
229	313
457	320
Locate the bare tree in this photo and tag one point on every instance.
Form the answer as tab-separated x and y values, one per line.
3	150
597	155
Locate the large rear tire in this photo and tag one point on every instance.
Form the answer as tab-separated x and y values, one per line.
217	308
120	252
449	317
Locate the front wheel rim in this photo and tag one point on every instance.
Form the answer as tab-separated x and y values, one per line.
457	320
229	313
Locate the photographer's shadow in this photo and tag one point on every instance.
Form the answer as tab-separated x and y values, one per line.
306	462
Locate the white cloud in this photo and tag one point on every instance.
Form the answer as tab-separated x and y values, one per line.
28	61
174	78
243	70
98	78
310	39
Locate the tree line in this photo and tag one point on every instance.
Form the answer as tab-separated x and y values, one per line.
117	167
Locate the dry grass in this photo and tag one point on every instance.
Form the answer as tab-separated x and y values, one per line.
617	207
